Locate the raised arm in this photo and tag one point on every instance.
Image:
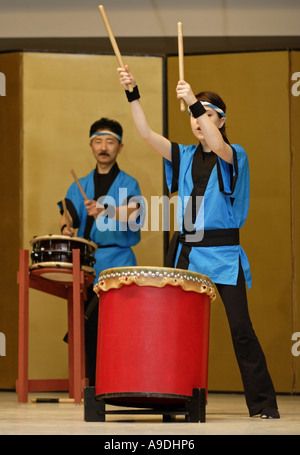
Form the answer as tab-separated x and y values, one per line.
210	130
158	142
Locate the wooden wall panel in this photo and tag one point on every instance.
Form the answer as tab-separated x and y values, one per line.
295	187
63	95
59	97
11	222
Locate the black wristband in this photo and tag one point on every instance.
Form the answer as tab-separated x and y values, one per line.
197	109
62	228
134	95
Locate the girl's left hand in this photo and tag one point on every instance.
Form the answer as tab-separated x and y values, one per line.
126	78
185	92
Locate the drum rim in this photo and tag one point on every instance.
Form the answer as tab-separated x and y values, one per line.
62	237
115	278
60	266
148	269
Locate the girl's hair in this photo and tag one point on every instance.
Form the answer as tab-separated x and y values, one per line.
215	99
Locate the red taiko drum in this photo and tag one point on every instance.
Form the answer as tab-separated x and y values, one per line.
153	334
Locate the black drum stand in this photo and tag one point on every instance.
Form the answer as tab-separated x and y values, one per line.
192	408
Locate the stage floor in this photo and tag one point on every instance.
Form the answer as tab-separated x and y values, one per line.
226	414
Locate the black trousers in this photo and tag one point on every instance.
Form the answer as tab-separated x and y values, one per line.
258	386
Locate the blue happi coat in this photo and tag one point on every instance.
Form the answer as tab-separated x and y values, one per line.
224	205
114	239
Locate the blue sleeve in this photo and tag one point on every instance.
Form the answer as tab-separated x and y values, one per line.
172	168
74	202
234	177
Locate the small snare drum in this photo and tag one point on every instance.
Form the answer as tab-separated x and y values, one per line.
55	252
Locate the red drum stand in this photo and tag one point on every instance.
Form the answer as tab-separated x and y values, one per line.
72	286
153	343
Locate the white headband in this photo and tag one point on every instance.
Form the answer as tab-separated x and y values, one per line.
216	108
105	133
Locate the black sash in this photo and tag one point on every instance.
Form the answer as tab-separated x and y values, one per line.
213	237
202	166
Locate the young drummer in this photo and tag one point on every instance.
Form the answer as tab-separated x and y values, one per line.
218	173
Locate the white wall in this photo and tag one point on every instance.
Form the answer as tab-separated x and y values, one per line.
75	18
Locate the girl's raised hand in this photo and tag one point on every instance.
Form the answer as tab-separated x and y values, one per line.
126	78
184	91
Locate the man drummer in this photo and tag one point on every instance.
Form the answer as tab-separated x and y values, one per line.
114	195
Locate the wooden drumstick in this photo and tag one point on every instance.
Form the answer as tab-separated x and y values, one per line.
113	41
80	187
180	59
53	400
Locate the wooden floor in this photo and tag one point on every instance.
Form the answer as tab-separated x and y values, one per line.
226	414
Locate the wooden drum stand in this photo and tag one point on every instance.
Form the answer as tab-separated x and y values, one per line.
74	291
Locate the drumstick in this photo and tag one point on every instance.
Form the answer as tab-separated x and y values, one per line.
113	40
80	187
78	184
66	213
53	400
180	59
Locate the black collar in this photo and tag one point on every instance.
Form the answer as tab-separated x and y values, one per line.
103	182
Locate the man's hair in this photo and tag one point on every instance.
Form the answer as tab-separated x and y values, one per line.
106	124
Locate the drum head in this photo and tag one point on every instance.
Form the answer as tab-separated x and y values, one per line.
159	277
62	272
56	252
